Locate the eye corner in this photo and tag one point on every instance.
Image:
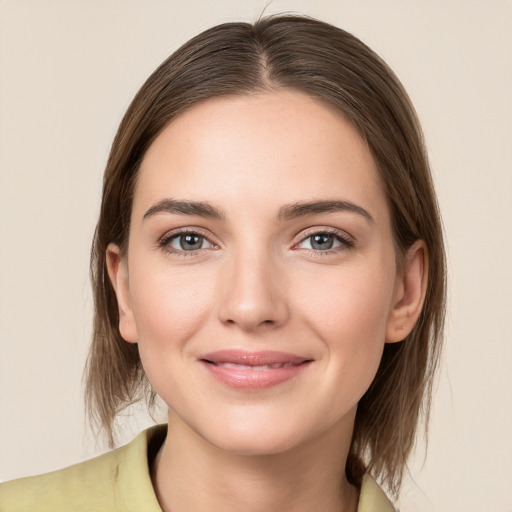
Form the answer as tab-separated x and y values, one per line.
173	242
330	241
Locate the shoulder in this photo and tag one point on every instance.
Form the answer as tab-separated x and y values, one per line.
372	498
90	483
116	480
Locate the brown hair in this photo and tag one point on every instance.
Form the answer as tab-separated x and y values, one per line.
331	65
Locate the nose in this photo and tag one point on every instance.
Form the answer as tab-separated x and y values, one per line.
253	292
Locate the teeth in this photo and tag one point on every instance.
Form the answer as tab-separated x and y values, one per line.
236	366
272	366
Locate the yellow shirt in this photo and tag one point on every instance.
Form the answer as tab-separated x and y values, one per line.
118	481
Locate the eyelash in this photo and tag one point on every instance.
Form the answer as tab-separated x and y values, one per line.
164	242
346	242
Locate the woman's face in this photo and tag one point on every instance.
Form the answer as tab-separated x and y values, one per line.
260	279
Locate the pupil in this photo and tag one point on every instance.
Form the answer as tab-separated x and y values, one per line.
322	242
191	242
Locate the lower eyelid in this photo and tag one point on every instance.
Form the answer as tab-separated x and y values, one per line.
344	240
166	240
179	236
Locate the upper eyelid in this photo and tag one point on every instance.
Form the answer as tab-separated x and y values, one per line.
172	233
169	241
306	233
163	242
299	237
346	240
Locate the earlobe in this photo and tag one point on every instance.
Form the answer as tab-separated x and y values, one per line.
118	273
409	294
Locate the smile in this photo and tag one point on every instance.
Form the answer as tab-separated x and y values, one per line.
272	366
253	370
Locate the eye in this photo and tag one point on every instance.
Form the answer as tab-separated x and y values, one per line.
186	242
324	241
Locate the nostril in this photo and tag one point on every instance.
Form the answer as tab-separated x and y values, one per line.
249	305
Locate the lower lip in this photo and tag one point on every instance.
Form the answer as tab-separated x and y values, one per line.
254	379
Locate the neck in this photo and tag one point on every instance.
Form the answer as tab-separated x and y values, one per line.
189	473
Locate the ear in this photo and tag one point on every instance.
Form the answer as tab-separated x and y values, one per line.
117	268
409	294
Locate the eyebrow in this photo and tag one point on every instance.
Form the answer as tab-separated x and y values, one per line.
287	212
302	209
200	208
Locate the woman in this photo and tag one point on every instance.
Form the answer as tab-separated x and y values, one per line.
269	261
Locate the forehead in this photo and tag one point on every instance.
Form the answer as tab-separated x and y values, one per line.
280	145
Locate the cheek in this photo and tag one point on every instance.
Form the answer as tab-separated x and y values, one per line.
169	307
348	304
349	315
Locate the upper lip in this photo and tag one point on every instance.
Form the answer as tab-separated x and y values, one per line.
259	358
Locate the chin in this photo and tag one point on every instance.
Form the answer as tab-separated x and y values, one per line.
262	437
255	444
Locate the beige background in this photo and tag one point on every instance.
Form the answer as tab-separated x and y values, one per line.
68	70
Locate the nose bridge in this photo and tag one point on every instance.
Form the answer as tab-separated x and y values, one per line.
253	288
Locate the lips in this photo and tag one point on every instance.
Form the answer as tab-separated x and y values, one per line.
253	370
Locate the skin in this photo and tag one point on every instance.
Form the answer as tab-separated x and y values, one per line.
256	284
